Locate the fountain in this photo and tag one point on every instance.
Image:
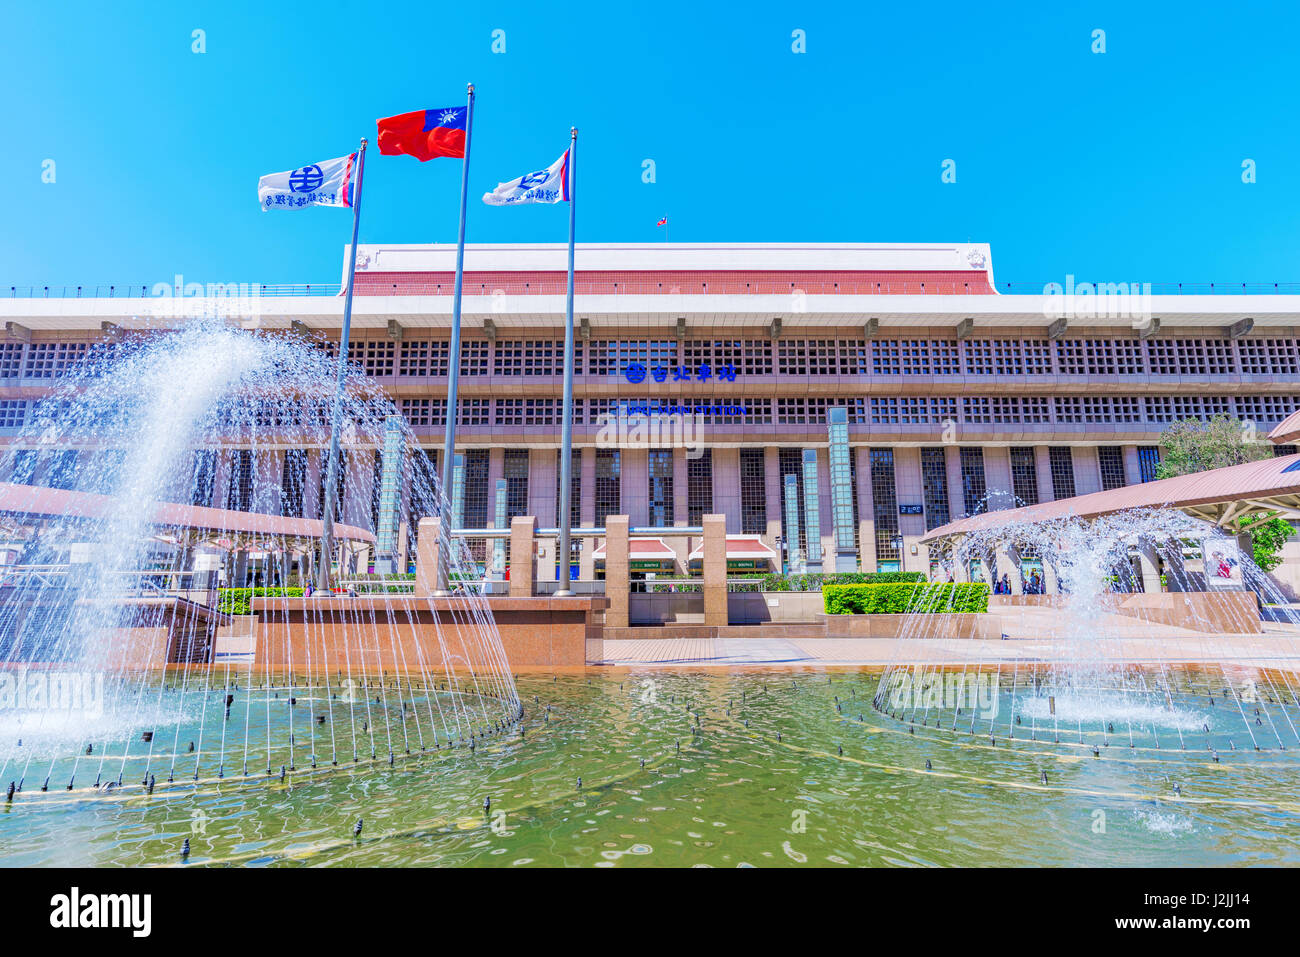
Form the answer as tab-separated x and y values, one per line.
1098	665
158	625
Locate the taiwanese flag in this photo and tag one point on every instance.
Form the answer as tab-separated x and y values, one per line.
424	134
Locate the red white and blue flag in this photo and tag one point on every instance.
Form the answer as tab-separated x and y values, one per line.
424	134
550	185
327	183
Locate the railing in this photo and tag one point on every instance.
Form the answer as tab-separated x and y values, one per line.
590	287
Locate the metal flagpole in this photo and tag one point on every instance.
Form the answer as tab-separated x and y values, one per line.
332	469
566	430
453	368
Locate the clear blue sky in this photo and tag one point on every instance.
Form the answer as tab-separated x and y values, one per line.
1122	166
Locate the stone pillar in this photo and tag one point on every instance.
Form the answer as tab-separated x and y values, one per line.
866	509
617	571
715	570
911	491
1149	563
587	513
430	576
1043	470
523	555
1003	565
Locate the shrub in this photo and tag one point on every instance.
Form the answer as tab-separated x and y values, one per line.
901	598
817	582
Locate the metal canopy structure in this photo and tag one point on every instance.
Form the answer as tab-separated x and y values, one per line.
1218	496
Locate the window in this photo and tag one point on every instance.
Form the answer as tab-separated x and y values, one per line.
532	357
239	494
422	357
608	492
477	499
11	360
62	472
203	484
611	357
13	412
575	488
1111	460
934	479
973	487
473	357
1024	476
24	467
791	463
884	506
699	487
375	356
1061	459
753	492
515	472
660	487
52	360
293	479
1148	462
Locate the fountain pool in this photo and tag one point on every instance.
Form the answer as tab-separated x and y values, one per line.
619	768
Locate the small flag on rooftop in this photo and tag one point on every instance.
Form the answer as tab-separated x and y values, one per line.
327	183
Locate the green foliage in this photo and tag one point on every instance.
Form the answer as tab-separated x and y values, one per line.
905	597
816	582
1190	445
1267	536
238	601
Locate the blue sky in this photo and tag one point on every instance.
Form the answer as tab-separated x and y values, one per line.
1122	166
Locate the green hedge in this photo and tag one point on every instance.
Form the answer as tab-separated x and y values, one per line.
817	582
903	598
238	601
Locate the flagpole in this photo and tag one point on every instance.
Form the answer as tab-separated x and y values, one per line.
453	370
566	418
332	469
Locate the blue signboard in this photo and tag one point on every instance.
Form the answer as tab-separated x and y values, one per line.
911	510
636	373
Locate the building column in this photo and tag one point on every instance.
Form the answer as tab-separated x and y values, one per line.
956	488
634	485
1043	470
772	495
1087	470
1132	470
997	478
543	483
430	575
866	508
681	545
726	487
910	490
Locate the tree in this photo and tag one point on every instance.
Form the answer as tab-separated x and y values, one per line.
1190	445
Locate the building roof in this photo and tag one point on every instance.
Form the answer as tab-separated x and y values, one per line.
740	547
24	500
1271	484
1286	431
643	549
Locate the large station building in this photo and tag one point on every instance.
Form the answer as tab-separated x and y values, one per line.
705	371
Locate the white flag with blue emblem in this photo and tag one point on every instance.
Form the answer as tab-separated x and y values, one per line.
327	183
550	185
